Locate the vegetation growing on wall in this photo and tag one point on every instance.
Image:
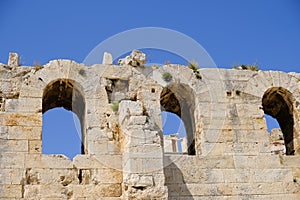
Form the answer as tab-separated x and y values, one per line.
253	67
115	106
167	76
193	65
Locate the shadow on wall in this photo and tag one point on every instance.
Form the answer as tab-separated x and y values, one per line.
174	180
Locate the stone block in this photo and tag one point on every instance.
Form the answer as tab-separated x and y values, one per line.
271	175
290	161
206	189
24	133
57	161
258	161
26	120
135	137
98	161
246	110
137	120
87	162
98	147
145	151
151	165
257	188
117	72
216	162
291	187
113	147
13	145
138	180
46	191
237	175
134	165
96	134
12	160
11	176
96	191
35	146
102	176
10	191
217	135
26	105
52	176
129	108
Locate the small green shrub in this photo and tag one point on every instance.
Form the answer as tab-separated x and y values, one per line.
82	72
193	65
167	76
115	106
37	68
238	92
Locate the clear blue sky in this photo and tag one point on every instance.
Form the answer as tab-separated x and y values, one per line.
232	32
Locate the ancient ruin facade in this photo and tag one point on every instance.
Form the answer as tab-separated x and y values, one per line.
229	152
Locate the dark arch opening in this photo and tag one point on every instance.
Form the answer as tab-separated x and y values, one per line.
278	103
179	99
67	95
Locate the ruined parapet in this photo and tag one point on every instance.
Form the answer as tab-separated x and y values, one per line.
135	59
229	154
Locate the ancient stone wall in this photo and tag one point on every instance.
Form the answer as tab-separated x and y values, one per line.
229	151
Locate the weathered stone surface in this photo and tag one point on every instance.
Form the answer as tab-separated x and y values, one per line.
228	152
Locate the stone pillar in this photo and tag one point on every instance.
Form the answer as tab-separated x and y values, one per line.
107	59
13	60
143	176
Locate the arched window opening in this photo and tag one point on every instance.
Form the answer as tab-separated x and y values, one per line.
278	103
174	133
179	100
63	100
61	133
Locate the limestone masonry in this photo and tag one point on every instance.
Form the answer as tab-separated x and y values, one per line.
227	152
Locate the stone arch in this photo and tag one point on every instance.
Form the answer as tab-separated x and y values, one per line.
68	94
278	103
262	80
180	100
